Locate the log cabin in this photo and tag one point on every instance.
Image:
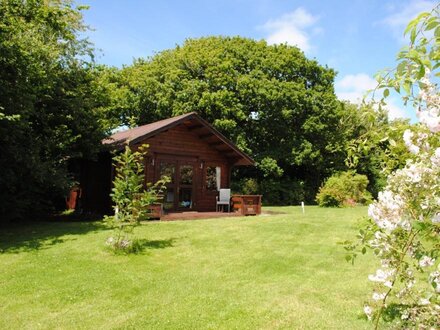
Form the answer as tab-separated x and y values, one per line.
196	157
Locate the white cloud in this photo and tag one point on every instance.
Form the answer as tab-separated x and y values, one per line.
394	110
353	88
401	15
291	28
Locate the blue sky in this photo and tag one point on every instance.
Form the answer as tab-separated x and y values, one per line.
356	38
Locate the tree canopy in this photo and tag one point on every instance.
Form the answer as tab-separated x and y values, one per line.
271	100
46	102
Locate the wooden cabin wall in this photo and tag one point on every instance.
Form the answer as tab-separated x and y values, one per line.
181	143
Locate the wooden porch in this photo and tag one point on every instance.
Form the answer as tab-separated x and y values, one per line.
242	205
194	215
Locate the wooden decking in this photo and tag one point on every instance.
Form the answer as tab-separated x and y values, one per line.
197	215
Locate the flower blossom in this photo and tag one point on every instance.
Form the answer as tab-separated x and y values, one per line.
378	296
407	138
414	173
435	158
426	261
381	275
387	211
368	311
430	97
434	278
424	301
431	119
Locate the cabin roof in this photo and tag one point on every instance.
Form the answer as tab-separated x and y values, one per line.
194	123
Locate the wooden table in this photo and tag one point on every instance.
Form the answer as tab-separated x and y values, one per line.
246	204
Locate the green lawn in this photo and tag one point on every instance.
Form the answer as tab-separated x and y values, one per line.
282	271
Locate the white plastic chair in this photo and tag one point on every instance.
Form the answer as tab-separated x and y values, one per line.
224	198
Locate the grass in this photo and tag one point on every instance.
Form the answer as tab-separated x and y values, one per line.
283	271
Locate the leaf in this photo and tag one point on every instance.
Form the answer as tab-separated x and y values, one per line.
386	92
431	25
421	72
413	35
410	26
407	87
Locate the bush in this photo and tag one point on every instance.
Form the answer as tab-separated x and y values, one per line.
250	186
344	189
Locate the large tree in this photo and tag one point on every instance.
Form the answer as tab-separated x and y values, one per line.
271	100
46	102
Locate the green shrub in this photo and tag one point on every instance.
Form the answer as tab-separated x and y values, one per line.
250	186
130	197
344	189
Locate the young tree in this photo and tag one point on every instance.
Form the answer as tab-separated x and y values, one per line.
130	196
405	227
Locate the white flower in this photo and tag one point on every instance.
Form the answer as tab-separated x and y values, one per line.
426	261
378	296
434	278
405	315
424	301
407	138
435	158
368	311
387	211
381	275
414	173
431	119
436	218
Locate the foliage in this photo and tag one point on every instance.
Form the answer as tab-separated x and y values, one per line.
246	186
374	147
344	189
273	102
130	196
405	220
285	192
255	273
269	167
47	115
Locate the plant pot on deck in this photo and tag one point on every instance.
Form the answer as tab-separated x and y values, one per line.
155	211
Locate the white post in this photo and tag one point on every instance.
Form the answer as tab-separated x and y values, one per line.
302	206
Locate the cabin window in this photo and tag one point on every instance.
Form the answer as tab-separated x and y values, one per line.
167	169
186	174
213	177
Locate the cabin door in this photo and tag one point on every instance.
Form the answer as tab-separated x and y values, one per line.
179	195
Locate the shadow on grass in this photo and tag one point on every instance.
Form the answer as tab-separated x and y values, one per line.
142	245
34	236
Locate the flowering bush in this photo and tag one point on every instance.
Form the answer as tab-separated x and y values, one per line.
405	220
